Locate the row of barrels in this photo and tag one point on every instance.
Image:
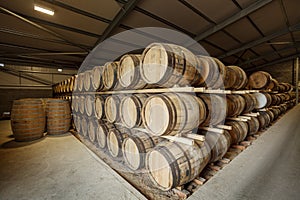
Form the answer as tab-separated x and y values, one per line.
172	113
31	118
64	86
167	162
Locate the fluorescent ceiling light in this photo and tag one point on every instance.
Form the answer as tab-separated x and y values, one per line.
60	70
43	10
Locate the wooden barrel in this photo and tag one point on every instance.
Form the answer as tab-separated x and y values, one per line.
171	164
219	84
77	122
58	116
81	105
75	89
102	132
75	104
230	78
99	107
235	105
172	113
89	105
218	143
87	80
271	115
275	100
241	79
167	64
115	138
253	126
80	82
250	102
259	80
129	72
216	109
109	76
131	110
111	107
273	85
136	146
97	84
92	130
71	84
209	70
84	126
28	119
261	100
269	99
264	120
238	132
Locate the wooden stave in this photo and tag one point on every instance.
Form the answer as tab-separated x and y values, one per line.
116	100
92	130
89	106
80	82
213	71
97	84
107	85
193	158
171	102
235	105
253	126
99	107
101	134
250	103
87	80
230	78
241	80
239	131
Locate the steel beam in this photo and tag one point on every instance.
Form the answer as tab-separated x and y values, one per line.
41	28
262	40
124	11
253	7
273	62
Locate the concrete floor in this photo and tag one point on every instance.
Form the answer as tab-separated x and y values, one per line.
268	169
56	168
63	168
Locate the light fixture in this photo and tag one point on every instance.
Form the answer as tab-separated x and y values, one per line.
1	65
60	70
44	10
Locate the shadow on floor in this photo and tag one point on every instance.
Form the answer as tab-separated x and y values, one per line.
59	135
14	144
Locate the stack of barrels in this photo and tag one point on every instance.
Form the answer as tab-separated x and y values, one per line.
32	117
63	89
131	127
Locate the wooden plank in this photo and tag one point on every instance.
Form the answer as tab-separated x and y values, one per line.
251	114
179	139
216	130
237	119
226	127
197	137
245	117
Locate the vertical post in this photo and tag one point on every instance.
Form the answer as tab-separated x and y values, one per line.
297	80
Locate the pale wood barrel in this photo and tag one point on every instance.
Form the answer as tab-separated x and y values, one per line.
216	109
209	70
172	164
97	84
89	105
269	99
239	131
102	132
253	126
75	104
261	100
171	113
81	104
92	130
241	79
264	120
165	65
218	143
259	80
131	110
77	122
129	72
99	107
87	80
235	105
136	146
219	84
58	116
111	108
230	78
84	126
80	82
115	138
28	119
75	89
250	102
109	76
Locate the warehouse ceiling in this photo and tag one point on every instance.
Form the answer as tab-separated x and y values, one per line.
247	33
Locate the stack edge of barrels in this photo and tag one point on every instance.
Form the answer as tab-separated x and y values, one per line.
32	117
133	127
63	89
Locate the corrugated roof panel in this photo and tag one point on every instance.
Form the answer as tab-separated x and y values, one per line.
223	40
